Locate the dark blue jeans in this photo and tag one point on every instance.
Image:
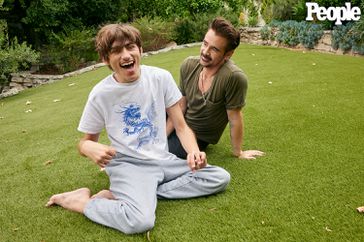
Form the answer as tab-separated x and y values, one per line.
175	146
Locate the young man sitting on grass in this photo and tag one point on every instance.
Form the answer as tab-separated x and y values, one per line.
131	104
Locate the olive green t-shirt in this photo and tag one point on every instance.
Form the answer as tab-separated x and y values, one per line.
228	91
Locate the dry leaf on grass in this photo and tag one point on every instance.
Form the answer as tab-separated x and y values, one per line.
56	100
360	209
327	229
48	162
148	236
28	102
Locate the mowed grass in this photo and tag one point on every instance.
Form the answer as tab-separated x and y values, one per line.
305	110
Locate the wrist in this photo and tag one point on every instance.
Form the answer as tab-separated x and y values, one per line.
81	147
237	153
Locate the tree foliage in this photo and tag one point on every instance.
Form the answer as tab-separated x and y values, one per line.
35	21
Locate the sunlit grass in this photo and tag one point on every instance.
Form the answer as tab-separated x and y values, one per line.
305	110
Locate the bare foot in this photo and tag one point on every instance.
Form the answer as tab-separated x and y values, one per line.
360	209
74	200
104	194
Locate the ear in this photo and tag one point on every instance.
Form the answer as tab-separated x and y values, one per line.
105	61
228	55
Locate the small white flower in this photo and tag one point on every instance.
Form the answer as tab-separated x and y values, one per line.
270	82
71	84
28	102
28	111
56	100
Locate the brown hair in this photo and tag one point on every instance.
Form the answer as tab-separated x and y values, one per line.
110	33
225	29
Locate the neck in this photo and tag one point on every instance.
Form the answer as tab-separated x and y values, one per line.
211	70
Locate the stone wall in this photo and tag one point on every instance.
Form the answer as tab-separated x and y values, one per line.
25	80
252	36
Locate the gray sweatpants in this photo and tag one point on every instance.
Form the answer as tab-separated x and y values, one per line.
136	184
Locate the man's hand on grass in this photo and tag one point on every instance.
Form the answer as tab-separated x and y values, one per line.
250	154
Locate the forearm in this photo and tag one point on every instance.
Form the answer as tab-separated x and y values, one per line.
83	147
236	130
236	136
85	142
101	154
188	139
169	127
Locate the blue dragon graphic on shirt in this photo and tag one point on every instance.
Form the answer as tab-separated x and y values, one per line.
137	125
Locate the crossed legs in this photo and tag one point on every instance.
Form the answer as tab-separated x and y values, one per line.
76	200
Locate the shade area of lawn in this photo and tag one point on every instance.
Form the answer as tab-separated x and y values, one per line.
305	110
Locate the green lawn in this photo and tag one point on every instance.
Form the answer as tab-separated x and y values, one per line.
305	110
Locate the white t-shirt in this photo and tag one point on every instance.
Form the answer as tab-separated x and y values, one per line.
134	114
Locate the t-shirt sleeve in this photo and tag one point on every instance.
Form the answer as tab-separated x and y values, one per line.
92	121
171	92
236	90
182	77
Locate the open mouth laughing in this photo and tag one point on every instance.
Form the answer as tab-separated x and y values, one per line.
128	65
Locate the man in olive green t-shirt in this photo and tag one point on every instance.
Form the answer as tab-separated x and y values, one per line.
214	91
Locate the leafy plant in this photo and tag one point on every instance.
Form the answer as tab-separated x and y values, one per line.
265	32
310	34
299	10
69	50
349	37
288	33
155	32
252	20
13	58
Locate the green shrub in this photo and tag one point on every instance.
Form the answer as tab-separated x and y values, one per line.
358	32
288	33
70	50
310	34
299	10
13	58
183	30
156	33
349	37
265	32
267	12
341	37
282	9
190	29
292	33
252	20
